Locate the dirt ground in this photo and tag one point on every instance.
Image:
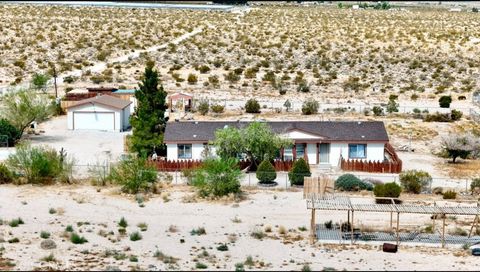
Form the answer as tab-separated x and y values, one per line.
93	214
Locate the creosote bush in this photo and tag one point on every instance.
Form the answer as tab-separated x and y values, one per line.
6	176
217	177
415	181
450	195
134	175
390	189
40	165
310	106
349	182
252	106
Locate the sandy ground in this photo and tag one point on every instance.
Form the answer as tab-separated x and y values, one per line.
102	211
86	146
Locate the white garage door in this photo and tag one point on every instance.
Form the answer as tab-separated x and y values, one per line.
94	120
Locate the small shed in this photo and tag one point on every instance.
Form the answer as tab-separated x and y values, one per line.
102	112
180	102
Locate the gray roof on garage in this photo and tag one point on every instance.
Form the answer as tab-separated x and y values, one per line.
329	130
106	100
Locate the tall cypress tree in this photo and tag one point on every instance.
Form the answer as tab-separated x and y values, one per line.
148	122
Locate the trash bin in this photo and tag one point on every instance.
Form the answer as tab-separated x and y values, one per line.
390	248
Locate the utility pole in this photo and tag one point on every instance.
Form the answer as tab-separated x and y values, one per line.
55	79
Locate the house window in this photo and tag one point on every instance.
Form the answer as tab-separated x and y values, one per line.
300	148
288	154
357	151
184	151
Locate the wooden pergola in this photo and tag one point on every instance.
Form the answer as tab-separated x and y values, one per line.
338	202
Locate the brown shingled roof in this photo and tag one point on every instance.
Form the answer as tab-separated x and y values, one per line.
106	100
328	130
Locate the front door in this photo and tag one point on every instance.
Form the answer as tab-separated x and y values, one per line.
324	153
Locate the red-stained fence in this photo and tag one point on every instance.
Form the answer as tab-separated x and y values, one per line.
171	166
392	166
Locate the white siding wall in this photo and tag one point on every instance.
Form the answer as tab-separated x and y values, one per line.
312	153
197	150
172	152
375	151
97	108
335	150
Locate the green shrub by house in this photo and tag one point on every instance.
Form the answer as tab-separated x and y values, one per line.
415	181
299	171
390	189
349	182
266	172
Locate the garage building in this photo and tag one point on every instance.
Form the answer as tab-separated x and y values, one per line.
103	112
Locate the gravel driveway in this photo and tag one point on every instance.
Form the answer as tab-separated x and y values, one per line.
86	146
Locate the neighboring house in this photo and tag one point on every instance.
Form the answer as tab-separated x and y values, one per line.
180	102
319	142
102	112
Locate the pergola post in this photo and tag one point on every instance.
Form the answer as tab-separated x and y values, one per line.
434	217
474	224
443	231
351	226
312	227
398	226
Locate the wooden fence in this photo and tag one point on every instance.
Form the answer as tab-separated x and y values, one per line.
394	165
172	166
371	166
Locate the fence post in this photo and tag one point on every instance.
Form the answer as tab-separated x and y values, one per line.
176	178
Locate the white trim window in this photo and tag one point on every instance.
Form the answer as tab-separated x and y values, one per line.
357	151
184	151
288	154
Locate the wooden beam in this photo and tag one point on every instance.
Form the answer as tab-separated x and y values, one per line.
474	223
391	221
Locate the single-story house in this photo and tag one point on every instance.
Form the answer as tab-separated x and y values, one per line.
102	112
319	142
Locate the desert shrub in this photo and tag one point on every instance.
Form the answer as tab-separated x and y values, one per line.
252	106
310	106
217	177
415	181
11	133
266	172
349	182
192	79
449	195
204	69
232	77
44	234
303	87
77	239
40	165
437	190
6	176
392	105
40	80
198	231
328	224
445	101
203	107
475	185
258	234
134	175
377	111
455	115
135	236
299	171
222	247
217	108
390	189
438	117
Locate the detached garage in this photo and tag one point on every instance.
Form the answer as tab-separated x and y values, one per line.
103	112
